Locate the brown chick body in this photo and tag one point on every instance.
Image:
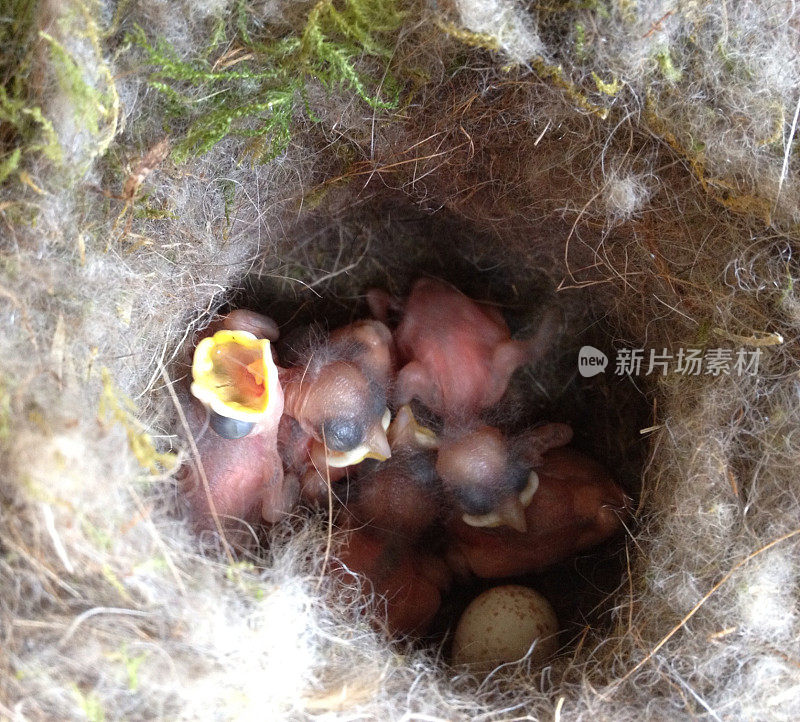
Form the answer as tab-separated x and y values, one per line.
391	508
237	471
576	506
458	354
401	496
409	581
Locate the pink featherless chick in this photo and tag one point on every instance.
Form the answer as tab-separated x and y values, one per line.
457	354
233	412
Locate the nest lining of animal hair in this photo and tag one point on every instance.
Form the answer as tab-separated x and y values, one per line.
161	162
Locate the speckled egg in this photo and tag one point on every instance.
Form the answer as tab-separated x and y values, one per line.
501	624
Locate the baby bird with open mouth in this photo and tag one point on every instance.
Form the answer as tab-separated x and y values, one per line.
329	414
420	505
233	414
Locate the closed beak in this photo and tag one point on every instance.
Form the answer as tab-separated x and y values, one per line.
511	512
378	444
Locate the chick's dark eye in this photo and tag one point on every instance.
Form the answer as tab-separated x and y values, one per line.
518	477
343	434
476	500
230	428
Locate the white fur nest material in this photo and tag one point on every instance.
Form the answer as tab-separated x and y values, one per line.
643	157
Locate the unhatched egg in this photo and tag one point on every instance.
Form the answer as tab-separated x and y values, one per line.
500	626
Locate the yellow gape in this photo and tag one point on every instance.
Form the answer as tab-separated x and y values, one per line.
234	375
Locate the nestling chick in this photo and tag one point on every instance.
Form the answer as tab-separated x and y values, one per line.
576	506
337	397
308	462
490	478
458	354
402	496
370	344
338	393
233	414
409	582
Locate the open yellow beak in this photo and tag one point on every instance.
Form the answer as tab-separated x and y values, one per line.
376	446
234	375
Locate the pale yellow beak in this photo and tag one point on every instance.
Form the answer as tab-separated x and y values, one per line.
377	442
510	512
405	430
234	375
376	446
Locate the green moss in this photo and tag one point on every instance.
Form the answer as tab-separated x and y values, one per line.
244	576
90	704
228	188
117	408
9	163
97	536
153	213
666	66
17	23
580	42
88	103
257	87
24	129
609	89
132	665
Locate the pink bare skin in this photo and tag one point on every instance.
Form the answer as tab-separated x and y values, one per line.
372	348
409	581
245	476
485	473
243	320
237	478
577	506
339	392
458	354
304	462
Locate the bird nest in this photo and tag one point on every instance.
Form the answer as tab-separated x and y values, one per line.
161	162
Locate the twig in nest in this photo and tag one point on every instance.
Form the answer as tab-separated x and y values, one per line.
329	539
133	182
